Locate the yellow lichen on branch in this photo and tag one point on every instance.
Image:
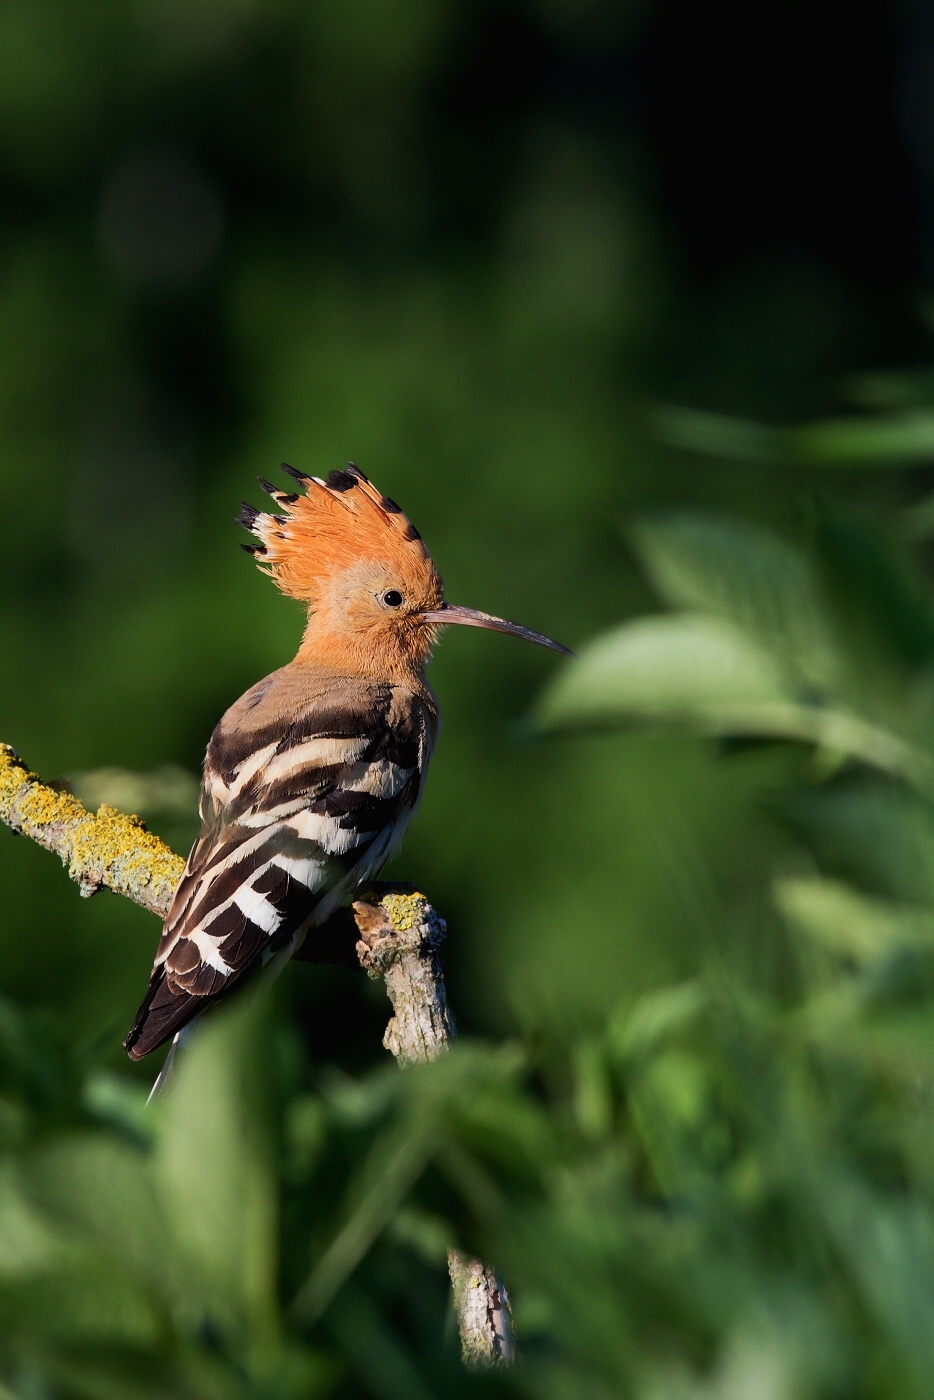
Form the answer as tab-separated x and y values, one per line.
404	909
108	849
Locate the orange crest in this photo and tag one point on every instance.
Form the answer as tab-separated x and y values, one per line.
335	524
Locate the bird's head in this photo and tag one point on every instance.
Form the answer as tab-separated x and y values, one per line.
375	599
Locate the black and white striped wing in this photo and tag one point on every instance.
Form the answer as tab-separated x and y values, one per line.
296	815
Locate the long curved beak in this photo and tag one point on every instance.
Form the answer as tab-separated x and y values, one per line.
469	617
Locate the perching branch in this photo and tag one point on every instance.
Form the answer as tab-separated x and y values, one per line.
400	941
107	850
400	938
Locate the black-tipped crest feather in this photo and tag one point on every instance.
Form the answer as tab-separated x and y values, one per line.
340	481
294	473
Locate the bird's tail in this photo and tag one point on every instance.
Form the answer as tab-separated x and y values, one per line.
182	1038
272	966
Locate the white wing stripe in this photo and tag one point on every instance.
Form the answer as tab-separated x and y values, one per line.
327	832
208	948
268	816
216	787
234	856
366	868
257	909
247	901
250	767
380	778
307	872
326	753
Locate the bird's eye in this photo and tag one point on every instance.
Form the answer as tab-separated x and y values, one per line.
393	599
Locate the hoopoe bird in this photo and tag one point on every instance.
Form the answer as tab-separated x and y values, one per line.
312	776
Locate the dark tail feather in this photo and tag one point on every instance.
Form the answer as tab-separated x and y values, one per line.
162	1013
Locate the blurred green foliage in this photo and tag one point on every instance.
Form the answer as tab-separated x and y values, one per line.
689	877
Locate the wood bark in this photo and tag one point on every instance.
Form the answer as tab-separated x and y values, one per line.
107	850
400	941
483	1313
400	937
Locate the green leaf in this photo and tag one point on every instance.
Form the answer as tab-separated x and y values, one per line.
870	833
374	1350
85	1302
889	1246
888	442
394	1164
593	1092
683	668
55	1282
637	1030
103	1188
892	441
717	434
214	1170
882	602
29	1243
122	1102
305	1134
428	1236
750	577
852	924
704	673
893	389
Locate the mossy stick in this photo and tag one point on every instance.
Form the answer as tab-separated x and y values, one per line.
400	941
103	850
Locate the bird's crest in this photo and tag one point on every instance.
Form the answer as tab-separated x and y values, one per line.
331	525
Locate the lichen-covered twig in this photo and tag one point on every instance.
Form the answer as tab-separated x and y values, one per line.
400	941
400	938
108	849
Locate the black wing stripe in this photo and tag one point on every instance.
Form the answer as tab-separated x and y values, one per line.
224	886
206	981
226	925
239	949
229	748
357	810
